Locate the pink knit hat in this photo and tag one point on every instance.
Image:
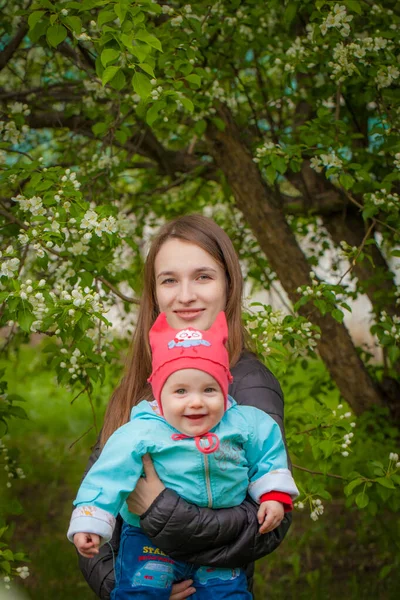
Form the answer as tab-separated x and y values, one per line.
173	350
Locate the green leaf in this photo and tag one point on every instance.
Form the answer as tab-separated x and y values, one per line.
148	38
99	128
17	411
346	180
56	34
219	123
118	82
352	485
386	482
109	73
109	55
75	23
141	84
321	305
327	447
153	111
270	174
188	104
25	319
290	13
384	572
105	16
193	78
121	9
354	5
147	68
35	17
369	211
337	315
362	500
200	127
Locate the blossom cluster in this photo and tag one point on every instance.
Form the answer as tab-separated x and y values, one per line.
330	160
11	468
318	509
268	149
9	132
384	200
71	178
338	19
91	222
33	205
8	266
19	107
386	76
276	327
394	458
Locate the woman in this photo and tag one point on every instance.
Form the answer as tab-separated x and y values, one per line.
192	273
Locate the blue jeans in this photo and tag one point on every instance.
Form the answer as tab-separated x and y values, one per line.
142	571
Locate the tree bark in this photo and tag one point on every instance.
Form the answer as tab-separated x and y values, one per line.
8	52
378	285
344	222
265	216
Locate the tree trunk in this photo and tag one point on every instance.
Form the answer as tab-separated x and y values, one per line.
344	222
266	218
379	286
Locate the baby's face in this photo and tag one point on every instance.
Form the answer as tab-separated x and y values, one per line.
192	401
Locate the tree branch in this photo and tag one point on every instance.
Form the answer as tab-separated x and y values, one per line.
117	292
9	50
319	473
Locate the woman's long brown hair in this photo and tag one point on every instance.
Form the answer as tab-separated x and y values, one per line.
206	234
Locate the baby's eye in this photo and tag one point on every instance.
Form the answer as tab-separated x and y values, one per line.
180	391
210	390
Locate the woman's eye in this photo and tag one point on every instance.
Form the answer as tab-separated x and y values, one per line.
166	281
203	277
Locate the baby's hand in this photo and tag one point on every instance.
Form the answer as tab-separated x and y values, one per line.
269	515
87	544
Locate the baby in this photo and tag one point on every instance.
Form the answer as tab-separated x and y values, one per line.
207	448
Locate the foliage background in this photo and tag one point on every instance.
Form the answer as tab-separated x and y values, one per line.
281	121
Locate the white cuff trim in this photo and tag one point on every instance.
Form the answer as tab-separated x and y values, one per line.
280	480
90	519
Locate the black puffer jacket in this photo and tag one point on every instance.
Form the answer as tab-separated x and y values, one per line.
226	537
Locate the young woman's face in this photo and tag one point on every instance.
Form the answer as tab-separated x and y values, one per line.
190	285
192	401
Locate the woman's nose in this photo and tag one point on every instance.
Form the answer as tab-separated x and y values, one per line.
186	293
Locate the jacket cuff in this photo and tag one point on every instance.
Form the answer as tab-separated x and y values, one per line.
285	499
280	479
90	519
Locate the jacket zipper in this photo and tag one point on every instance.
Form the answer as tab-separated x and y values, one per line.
208	482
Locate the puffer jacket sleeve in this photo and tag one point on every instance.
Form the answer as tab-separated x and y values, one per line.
99	571
224	537
229	536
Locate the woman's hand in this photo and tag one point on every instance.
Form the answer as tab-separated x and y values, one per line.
270	515
182	590
146	491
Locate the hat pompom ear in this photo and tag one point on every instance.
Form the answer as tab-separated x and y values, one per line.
160	325
221	326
